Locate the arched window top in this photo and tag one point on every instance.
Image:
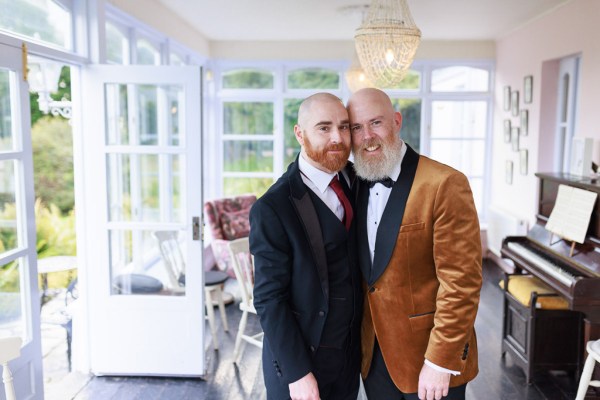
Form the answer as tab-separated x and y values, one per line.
460	79
412	81
313	78
248	79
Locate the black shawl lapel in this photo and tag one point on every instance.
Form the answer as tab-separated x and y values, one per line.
387	233
364	255
305	209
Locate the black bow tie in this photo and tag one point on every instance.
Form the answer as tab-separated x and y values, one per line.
387	182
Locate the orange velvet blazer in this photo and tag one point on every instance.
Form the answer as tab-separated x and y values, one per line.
423	302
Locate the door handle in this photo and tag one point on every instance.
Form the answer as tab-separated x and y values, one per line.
195	228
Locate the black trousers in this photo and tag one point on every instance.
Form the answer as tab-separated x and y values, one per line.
337	372
379	384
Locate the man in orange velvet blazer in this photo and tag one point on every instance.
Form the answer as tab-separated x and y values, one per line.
420	255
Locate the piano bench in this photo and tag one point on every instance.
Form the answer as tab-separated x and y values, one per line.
539	338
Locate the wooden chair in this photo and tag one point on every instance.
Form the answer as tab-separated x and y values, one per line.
593	349
242	264
174	261
10	348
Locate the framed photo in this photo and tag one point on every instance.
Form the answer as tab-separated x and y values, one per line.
514	103
514	138
523	162
528	89
507	130
506	98
508	172
524	122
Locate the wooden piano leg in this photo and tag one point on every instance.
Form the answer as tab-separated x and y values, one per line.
591	331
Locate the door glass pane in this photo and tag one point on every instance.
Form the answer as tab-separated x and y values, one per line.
240	185
458	119
10	235
291	147
147	113
248	79
313	78
460	79
139	268
117	118
248	156
411	121
12	311
466	156
174	116
117	45
44	20
6	119
248	118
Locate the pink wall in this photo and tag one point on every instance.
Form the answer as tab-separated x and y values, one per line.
534	50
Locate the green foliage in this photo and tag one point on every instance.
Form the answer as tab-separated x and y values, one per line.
55	236
248	79
238	186
313	78
411	121
290	118
52	142
248	118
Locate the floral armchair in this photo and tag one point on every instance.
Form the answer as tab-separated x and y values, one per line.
228	219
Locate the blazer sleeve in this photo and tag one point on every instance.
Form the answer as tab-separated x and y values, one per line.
273	262
457	258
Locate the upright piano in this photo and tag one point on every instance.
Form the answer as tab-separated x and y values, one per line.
576	277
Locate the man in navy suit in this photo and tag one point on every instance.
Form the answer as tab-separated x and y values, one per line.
307	285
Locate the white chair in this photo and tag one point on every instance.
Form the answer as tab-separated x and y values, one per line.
243	267
593	349
10	348
172	257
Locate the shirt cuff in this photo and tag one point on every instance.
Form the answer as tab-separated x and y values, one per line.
441	369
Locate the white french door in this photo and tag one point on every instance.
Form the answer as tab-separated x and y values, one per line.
142	166
19	298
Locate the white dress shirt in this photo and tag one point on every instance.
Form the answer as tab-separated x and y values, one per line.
378	198
318	181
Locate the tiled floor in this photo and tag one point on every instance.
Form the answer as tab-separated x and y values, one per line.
498	379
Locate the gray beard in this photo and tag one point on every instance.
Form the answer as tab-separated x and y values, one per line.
376	169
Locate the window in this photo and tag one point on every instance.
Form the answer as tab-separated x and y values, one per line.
313	78
43	20
248	79
117	44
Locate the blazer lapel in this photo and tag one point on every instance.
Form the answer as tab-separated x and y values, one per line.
305	209
361	233
391	220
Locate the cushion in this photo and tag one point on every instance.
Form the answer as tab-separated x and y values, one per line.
235	224
521	287
136	284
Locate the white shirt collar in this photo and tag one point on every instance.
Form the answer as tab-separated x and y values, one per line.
321	179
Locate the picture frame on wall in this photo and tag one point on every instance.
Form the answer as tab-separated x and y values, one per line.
523	161
507	98
508	172
524	122
528	89
507	130
514	138
514	102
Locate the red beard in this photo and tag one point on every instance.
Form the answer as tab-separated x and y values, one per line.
329	161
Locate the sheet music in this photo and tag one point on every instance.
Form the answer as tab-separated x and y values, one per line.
571	214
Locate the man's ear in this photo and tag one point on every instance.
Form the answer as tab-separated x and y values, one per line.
398	121
299	135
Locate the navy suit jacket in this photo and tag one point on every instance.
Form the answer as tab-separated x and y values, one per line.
291	289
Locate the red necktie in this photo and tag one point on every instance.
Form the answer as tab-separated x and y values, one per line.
337	188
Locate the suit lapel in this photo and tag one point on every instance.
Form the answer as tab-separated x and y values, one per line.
391	220
362	237
305	209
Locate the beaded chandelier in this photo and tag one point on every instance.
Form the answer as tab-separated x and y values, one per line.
386	42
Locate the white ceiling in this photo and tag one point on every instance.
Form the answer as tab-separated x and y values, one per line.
322	19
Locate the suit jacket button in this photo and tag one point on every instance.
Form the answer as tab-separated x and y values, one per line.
321	313
279	374
312	348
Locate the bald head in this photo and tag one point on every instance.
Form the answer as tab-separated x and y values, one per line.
317	99
370	96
